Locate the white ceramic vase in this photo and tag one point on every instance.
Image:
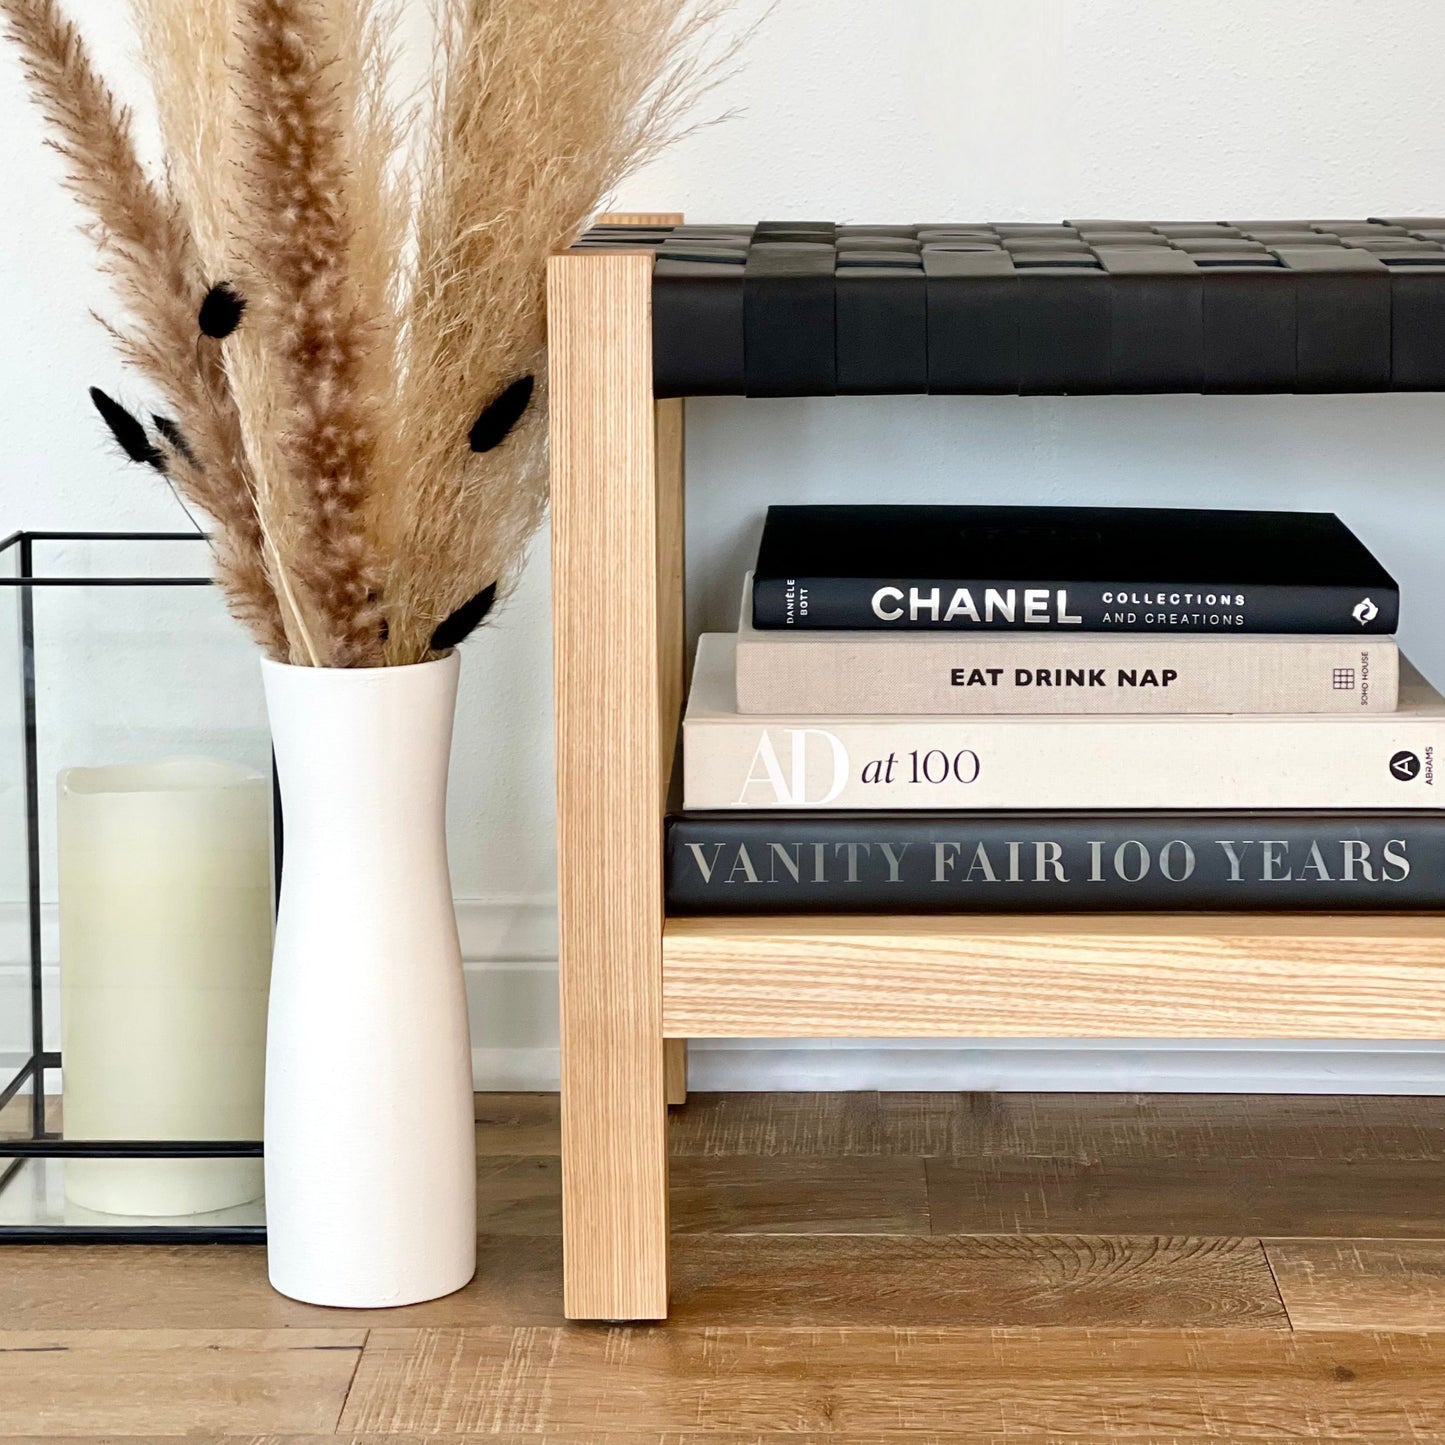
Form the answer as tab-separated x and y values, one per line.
370	1145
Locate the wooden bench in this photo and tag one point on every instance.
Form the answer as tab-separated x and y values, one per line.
642	314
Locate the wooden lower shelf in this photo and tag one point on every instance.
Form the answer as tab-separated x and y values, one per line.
1221	975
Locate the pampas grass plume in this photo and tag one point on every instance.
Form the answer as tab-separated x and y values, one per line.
339	291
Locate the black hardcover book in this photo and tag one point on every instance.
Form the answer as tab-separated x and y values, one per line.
779	862
1081	569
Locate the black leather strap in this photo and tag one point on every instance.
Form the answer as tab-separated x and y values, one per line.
789	318
1417	306
1157	342
1065	330
883	327
697	328
1342	318
808	308
1249	327
973	320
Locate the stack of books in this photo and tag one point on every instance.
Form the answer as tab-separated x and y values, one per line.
950	709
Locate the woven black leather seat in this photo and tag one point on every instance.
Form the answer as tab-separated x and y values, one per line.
809	308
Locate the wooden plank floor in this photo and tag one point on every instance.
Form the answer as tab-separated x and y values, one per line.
848	1268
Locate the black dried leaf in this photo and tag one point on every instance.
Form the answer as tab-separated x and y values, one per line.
130	435
494	425
464	621
221	311
175	436
384	626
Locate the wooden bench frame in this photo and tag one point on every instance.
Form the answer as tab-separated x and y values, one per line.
634	984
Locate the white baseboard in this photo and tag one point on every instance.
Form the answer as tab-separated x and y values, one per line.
511	946
1131	1066
1101	1066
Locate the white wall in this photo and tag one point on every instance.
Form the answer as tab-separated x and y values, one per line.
912	110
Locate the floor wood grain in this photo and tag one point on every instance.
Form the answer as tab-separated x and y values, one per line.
1351	1284
740	1280
585	1437
1168	1126
1055	1384
189	1287
969	1125
649	1437
15	1116
519	1196
770	1195
155	1383
518	1124
570	1437
1004	1281
798	1195
848	1269
1250	1196
728	1126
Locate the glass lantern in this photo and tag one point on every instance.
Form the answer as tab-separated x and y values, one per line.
137	832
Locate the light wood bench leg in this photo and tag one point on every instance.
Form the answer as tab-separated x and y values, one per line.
672	640
611	782
675	1071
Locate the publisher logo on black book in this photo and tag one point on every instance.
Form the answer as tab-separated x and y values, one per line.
1365	611
1405	767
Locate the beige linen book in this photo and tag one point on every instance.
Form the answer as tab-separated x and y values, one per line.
1326	760
795	670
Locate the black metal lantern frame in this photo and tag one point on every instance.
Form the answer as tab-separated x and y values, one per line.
18	559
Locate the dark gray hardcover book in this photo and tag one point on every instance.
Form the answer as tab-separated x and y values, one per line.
921	862
1068	569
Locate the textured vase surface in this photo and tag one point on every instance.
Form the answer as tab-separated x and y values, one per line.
370	1146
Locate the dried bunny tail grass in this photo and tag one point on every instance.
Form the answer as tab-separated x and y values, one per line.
297	240
211	469
539	111
511	484
507	487
148	250
186	47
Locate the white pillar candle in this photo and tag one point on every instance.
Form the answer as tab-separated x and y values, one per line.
165	960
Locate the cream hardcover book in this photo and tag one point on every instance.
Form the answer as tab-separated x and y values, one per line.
1358	759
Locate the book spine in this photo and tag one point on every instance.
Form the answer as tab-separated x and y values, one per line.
839	674
954	863
1378	761
963	604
